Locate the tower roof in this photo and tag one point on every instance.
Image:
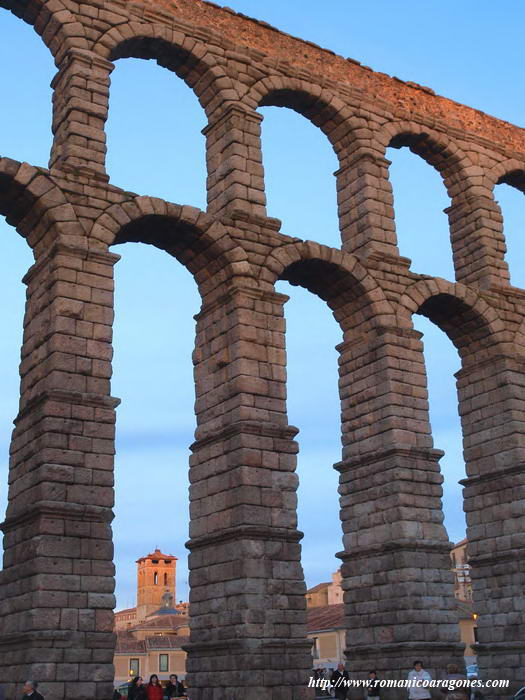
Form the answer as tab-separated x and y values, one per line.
157	554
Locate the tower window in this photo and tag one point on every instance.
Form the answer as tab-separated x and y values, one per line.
165	579
155	578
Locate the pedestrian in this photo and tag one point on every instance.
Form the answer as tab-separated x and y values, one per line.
154	689
174	689
372	691
137	691
418	679
456	684
339	681
2	692
475	691
31	692
323	678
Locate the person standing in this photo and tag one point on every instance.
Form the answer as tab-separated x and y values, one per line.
137	691
456	687
339	681
323	678
372	691
154	689
174	689
31	692
418	679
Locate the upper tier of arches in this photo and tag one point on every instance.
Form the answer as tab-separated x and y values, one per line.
212	69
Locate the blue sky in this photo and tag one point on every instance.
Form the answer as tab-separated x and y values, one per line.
469	51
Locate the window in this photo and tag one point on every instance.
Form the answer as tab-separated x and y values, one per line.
315	648
155	578
163	662
165	579
134	667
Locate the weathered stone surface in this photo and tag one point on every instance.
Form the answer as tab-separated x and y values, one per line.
247	586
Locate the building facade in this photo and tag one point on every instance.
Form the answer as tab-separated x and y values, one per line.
461	570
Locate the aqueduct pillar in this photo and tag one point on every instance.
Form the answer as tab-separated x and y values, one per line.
248	632
58	575
247	599
398	585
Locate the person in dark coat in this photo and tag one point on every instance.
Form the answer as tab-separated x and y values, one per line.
137	690
174	689
456	687
339	682
31	692
373	687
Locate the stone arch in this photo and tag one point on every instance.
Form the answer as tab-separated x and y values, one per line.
199	242
510	172
192	62
319	105
472	211
338	278
438	149
472	325
36	206
59	29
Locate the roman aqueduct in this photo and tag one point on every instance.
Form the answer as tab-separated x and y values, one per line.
247	588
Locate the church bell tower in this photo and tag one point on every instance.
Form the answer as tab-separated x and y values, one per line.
156	574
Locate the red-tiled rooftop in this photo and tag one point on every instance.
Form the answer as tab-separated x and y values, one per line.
157	554
126	610
319	587
163	622
126	644
166	642
325	617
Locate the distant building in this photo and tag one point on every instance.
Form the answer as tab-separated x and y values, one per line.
153	646
461	569
317	596
463	594
150	636
156	580
335	591
325	627
328	593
